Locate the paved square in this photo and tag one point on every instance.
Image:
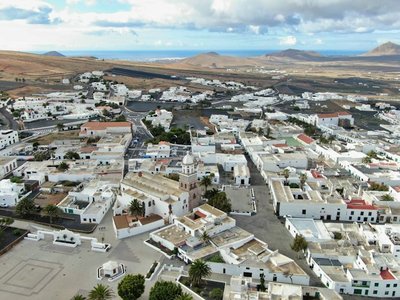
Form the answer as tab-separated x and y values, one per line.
29	277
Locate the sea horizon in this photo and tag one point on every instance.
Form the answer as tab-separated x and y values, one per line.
156	55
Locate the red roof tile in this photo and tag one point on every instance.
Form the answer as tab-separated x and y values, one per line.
387	275
334	115
360	204
316	174
305	138
104	125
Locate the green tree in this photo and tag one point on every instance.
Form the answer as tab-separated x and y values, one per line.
372	154
16	179
221	201
366	160
286	174
184	296
24	208
299	243
136	208
71	155
211	193
197	271
35	145
60	126
165	290
374	186
262	283
63	166
120	118
216	294
302	179
206	181
131	287
205	237
101	292
4	223
78	297
52	211
268	132
387	197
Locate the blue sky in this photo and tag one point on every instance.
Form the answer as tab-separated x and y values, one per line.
42	25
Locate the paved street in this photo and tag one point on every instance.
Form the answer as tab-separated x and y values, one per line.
266	226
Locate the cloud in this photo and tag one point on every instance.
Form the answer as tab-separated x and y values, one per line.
245	16
289	40
119	31
35	12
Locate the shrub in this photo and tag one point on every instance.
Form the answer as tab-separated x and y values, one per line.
216	294
17	232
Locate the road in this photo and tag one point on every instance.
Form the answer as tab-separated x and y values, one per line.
12	124
266	226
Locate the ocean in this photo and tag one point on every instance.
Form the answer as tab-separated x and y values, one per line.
154	55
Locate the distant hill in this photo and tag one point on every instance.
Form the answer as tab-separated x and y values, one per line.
53	53
296	55
215	60
388	48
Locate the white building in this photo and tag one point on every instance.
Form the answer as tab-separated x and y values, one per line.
10	192
8	137
241	174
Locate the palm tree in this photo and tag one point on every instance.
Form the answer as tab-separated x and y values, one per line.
206	181
286	174
303	179
78	297
205	237
184	296
197	271
136	208
101	292
52	211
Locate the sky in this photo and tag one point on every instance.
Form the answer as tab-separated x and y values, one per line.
45	25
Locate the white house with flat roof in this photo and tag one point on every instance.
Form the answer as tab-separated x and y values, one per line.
240	251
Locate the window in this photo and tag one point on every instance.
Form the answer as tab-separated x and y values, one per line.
357	292
352	213
388	285
375	292
370	214
303	211
350	218
362	213
387	293
395	285
376	284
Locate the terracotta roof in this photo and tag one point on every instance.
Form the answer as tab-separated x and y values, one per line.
121	222
360	204
200	214
334	115
279	145
305	138
316	174
150	219
88	149
387	275
104	125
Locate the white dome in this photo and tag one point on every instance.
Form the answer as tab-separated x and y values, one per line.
188	159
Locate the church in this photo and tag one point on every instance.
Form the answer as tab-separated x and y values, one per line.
160	195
